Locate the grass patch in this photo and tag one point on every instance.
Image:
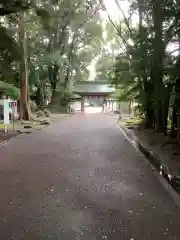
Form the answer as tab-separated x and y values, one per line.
133	121
169	123
138	120
35	124
2	126
18	126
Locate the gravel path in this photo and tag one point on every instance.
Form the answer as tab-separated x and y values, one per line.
81	179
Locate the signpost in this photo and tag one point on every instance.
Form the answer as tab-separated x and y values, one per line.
13	107
9	105
13	113
6	114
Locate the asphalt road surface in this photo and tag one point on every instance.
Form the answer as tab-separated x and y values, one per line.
80	179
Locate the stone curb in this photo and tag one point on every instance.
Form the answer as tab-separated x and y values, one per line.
154	159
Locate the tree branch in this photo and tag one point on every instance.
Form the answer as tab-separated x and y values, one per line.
125	19
169	33
118	31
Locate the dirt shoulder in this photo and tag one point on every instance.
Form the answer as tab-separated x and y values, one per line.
164	151
27	127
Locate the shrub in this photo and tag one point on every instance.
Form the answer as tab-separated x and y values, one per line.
33	106
47	112
40	113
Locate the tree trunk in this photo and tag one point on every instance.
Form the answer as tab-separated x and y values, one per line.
53	78
178	125
148	86
149	104
55	97
159	118
39	96
176	94
157	64
129	108
166	107
166	111
177	98
176	106
24	98
173	133
149	118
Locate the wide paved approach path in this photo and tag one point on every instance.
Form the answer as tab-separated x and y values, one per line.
80	179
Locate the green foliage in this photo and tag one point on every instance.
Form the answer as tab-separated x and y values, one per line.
63	37
145	70
60	42
13	6
54	59
9	90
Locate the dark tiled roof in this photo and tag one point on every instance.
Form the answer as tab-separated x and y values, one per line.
93	87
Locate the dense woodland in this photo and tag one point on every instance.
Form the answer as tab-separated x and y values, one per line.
46	46
147	68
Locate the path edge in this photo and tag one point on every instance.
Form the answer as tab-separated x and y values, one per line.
162	173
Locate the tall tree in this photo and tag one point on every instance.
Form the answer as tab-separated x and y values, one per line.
23	66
